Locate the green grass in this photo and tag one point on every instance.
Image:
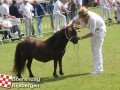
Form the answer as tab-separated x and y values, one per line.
75	78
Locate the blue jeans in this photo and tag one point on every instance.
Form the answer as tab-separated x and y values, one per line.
39	21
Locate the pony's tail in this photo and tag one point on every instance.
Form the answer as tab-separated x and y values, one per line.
18	63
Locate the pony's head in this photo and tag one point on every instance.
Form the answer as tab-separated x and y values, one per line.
71	34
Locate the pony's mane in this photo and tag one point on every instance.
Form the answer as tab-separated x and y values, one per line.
56	39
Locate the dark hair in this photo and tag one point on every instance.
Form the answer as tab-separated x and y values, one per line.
14	1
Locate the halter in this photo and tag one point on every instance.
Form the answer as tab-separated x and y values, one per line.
67	36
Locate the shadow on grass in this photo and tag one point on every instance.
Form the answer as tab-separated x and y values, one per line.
53	79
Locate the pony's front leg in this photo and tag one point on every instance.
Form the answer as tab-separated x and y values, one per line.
55	67
60	67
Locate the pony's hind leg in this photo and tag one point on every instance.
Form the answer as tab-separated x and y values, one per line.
21	68
29	67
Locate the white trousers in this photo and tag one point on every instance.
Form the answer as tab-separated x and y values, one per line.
96	46
57	20
104	9
118	13
28	26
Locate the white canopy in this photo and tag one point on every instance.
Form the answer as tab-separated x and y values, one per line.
20	1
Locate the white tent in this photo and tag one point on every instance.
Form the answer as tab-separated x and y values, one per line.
20	1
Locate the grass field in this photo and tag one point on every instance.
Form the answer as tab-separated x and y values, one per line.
75	78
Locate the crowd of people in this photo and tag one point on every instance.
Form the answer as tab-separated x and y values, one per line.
56	10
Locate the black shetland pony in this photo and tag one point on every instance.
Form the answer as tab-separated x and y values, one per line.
51	49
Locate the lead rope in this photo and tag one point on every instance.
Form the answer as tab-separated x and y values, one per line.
76	49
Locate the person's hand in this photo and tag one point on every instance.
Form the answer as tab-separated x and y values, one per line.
66	26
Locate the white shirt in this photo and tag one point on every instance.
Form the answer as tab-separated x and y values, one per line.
113	1
102	2
4	9
79	2
56	9
7	22
26	9
94	22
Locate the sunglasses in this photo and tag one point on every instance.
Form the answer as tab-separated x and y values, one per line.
5	15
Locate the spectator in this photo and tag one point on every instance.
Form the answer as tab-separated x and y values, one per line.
79	3
6	24
65	5
97	31
85	3
117	4
105	8
5	33
95	3
25	10
50	11
4	8
14	10
39	12
111	5
72	7
59	14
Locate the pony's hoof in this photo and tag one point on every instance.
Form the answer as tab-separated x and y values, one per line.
18	76
55	75
61	73
31	76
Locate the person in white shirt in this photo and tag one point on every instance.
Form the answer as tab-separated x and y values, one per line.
26	11
4	8
117	4
79	3
111	5
58	14
103	4
97	31
7	25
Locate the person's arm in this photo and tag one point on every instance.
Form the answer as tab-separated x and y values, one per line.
118	2
105	3
110	3
85	36
65	9
70	23
12	17
6	27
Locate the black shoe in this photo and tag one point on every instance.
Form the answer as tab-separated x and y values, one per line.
110	19
118	22
22	34
12	39
116	18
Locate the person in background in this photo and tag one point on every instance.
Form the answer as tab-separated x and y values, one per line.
97	32
5	33
25	10
4	8
39	13
65	5
50	11
79	3
111	5
117	4
72	7
85	3
7	25
95	3
13	10
59	14
105	8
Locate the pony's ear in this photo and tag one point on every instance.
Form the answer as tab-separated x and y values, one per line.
69	28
